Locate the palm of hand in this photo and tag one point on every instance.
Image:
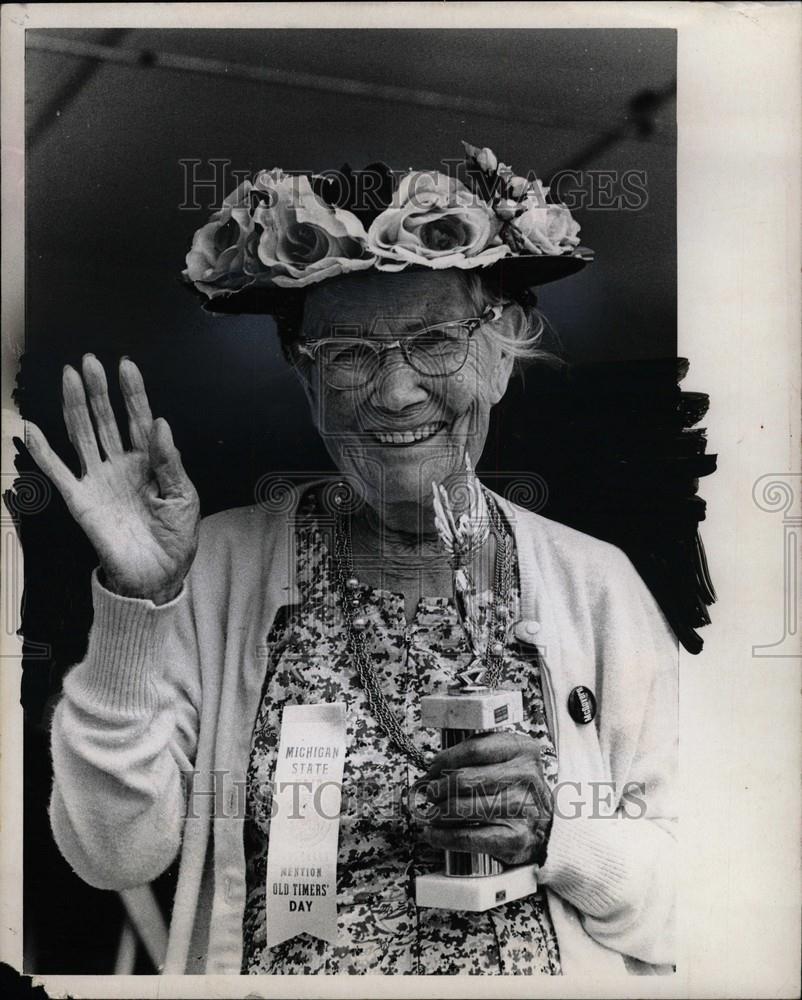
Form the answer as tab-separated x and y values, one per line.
138	507
141	539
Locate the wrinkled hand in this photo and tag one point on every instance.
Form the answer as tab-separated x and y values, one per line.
138	507
488	794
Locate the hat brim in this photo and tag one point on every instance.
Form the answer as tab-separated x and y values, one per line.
513	275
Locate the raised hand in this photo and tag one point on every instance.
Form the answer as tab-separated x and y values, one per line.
138	508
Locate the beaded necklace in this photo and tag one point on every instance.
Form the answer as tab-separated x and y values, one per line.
488	650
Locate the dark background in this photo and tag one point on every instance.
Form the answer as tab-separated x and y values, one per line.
106	238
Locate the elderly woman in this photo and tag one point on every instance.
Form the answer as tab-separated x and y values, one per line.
404	333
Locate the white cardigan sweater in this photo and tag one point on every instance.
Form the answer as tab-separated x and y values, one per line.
176	688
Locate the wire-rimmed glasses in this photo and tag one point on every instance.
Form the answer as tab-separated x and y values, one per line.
435	352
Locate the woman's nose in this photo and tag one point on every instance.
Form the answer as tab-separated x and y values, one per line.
397	385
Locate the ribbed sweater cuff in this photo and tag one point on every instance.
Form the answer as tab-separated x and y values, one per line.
588	863
124	655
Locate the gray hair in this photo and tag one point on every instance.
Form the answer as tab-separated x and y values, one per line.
534	340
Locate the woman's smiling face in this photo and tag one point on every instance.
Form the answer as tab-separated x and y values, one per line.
402	430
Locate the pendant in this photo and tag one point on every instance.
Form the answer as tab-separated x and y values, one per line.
474	676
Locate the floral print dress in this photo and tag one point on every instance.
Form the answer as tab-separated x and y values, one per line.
380	929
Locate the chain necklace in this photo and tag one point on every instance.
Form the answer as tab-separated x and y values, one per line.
482	672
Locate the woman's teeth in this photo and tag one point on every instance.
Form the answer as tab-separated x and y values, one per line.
408	437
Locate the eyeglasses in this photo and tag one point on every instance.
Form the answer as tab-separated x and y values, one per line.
436	352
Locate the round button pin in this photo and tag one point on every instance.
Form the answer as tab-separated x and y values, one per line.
582	705
526	630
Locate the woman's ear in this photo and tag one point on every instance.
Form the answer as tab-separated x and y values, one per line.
500	376
512	320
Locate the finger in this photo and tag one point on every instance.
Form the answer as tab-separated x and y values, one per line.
76	417
486	748
48	461
504	841
98	391
506	804
487	780
165	460
140	420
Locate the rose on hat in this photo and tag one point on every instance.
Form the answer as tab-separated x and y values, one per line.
435	221
303	240
216	262
281	232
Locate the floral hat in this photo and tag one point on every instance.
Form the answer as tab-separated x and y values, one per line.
279	233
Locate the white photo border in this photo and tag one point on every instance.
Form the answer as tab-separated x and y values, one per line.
739	86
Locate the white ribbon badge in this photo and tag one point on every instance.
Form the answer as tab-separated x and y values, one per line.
305	825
